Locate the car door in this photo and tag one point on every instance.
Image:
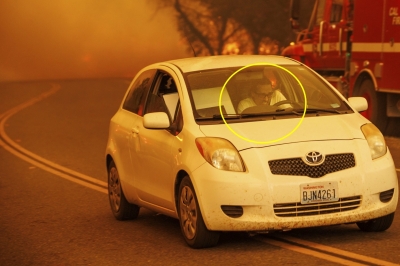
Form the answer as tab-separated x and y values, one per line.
337	37
130	113
314	43
387	69
156	150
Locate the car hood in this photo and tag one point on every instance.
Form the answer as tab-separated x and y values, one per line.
272	132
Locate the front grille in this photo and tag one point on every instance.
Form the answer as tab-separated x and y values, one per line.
296	166
297	209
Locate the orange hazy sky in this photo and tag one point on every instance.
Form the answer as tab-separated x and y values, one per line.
67	39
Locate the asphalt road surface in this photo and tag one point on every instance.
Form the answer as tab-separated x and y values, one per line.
55	210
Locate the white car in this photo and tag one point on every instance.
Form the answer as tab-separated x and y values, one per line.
297	154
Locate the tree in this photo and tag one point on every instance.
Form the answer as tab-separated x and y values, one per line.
266	22
213	27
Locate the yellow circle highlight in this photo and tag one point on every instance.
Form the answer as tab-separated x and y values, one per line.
270	141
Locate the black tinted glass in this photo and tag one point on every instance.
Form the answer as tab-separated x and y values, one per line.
135	100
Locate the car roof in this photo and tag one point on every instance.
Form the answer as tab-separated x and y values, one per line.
222	61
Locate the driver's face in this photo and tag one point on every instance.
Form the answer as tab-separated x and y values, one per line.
261	94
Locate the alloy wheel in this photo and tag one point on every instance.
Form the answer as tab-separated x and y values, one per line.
114	189
188	212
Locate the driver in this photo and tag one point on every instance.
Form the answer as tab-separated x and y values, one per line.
258	96
263	94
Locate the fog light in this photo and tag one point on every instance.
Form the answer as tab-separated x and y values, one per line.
387	195
232	211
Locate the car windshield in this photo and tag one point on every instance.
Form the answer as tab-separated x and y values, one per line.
260	92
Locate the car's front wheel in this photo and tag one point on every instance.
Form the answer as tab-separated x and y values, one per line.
120	207
377	225
191	221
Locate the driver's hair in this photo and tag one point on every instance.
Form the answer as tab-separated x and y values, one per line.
261	82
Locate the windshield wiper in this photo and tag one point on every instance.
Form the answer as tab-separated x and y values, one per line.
219	117
236	116
317	110
277	113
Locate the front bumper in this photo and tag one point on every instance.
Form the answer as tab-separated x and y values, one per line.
258	193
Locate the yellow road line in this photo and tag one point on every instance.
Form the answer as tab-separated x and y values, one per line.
52	170
38	161
338	251
307	251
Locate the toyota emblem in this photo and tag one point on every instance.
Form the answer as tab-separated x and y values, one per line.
314	158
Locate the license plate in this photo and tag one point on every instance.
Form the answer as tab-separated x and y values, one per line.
319	192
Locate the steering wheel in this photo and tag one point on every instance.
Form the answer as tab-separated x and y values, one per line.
263	108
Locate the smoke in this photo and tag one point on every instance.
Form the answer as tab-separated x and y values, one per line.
68	39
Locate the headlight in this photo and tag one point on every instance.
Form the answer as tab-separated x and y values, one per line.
376	142
220	153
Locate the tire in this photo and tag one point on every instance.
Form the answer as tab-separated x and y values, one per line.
120	207
191	221
377	225
376	111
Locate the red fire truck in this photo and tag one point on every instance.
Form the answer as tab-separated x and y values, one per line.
354	44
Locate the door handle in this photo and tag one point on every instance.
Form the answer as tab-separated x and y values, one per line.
135	130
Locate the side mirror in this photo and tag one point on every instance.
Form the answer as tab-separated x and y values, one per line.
358	103
294	24
157	120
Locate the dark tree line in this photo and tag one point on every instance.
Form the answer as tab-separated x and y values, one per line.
213	27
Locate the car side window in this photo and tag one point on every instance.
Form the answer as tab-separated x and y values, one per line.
164	96
136	97
336	11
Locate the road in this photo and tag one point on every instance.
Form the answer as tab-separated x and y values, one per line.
55	209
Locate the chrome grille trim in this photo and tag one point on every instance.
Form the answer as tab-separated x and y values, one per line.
296	166
297	209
